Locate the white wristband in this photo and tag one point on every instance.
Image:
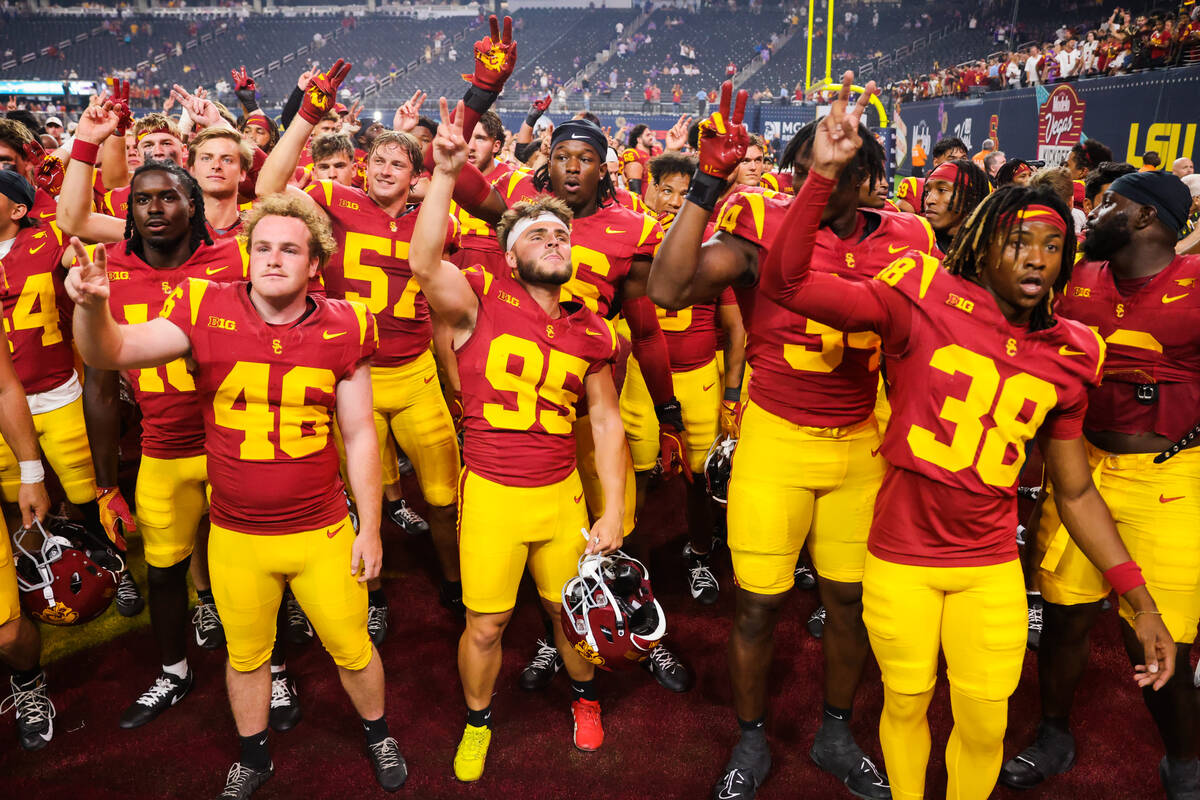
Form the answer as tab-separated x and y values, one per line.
32	472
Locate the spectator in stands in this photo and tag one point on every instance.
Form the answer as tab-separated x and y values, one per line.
1182	166
730	69
1033	66
992	164
1068	60
54	129
1150	161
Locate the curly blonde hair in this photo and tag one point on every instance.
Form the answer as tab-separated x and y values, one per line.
320	236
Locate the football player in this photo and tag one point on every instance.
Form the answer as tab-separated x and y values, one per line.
635	159
21	153
271	363
942	572
373	229
478	238
806	469
523	456
20	641
952	191
912	189
1141	298
692	338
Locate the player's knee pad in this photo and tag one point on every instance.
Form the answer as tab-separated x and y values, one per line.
906	708
979	723
170	577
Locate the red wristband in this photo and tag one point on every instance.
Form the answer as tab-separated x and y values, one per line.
1125	577
84	151
471	189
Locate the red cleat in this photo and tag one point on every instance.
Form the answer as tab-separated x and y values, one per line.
589	733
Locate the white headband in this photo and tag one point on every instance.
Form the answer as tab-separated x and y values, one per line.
522	224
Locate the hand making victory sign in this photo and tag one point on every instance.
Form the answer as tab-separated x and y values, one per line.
837	137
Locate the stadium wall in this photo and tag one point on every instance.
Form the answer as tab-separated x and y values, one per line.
1132	114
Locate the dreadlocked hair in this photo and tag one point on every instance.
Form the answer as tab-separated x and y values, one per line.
606	190
992	220
971	186
868	161
199	235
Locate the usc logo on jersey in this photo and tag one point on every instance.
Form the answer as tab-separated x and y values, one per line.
276	346
1120	311
1010	347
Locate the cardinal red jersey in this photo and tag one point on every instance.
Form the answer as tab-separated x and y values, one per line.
478	244
37	312
371	267
968	389
172	426
692	332
910	190
522	374
1153	347
634	155
268	394
632	201
116	203
45	207
804	371
778	182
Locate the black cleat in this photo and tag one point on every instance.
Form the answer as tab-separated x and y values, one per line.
35	712
390	769
667	670
816	623
541	670
167	690
403	464
804	577
299	629
1180	779
1035	621
406	519
747	769
210	633
241	782
701	581
377	623
285	702
841	757
1052	753
129	597
450	598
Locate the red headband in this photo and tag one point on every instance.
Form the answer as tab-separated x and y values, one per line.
260	120
1036	213
946	171
159	129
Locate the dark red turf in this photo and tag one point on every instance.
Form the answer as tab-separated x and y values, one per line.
658	745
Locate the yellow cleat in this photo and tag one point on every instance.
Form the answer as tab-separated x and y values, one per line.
472	752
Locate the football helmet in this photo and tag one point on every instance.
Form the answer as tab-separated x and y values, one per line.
59	583
718	466
609	613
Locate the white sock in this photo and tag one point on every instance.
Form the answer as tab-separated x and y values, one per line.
275	670
179	670
1033	592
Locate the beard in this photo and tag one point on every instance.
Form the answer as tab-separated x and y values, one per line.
1102	242
531	272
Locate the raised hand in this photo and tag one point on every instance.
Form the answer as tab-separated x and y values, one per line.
408	114
449	145
49	175
495	58
87	280
302	83
202	110
242	81
351	122
837	138
322	92
676	138
723	137
97	123
120	106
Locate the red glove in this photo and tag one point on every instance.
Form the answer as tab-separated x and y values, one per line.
242	81
322	92
731	418
120	106
543	104
672	453
723	145
495	58
115	515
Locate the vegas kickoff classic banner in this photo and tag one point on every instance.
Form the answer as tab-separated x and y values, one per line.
1132	114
